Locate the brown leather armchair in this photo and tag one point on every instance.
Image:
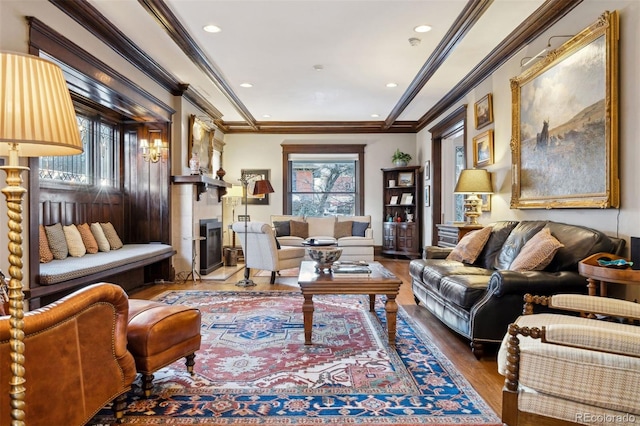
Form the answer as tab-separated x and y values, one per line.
76	358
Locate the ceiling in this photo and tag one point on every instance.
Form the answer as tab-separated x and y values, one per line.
361	45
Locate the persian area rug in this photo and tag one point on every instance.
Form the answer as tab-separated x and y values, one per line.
254	369
293	272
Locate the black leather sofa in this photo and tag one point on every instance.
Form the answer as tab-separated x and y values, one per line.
479	301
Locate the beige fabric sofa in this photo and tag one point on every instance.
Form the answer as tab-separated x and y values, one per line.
355	247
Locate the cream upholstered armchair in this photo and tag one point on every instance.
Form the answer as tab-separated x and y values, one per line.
263	251
572	369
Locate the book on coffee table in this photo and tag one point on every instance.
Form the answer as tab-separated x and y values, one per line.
351	270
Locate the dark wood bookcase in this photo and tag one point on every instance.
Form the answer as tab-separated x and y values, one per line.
402	198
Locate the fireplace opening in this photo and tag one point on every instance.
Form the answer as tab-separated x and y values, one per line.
211	246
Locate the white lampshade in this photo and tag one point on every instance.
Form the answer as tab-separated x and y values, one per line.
234	191
36	110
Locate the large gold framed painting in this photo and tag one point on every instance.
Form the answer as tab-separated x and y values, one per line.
565	124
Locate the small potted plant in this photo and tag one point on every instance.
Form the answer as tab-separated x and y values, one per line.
400	159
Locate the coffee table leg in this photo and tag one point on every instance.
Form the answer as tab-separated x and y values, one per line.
307	311
372	303
391	307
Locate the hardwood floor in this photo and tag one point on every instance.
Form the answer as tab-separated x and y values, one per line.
482	375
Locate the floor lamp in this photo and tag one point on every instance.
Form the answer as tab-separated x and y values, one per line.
232	198
261	187
37	118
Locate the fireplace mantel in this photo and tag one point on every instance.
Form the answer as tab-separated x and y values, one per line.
202	183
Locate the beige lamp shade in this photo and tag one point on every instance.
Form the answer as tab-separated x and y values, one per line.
36	111
234	191
474	181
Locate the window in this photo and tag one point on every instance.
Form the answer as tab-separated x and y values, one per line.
324	183
97	165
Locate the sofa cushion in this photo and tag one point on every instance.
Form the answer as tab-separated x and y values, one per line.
537	253
499	233
74	241
45	252
321	226
469	247
464	290
342	229
88	239
98	234
518	237
282	228
57	241
359	229
299	229
579	242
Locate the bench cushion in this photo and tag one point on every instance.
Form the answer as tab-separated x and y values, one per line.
58	271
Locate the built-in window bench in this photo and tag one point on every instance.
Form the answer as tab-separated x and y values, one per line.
124	266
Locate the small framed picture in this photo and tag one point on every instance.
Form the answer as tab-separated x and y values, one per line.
407	198
483	149
484	111
427	170
427	195
394	200
486	202
405	179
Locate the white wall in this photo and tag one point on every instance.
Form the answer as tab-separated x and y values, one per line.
249	151
623	222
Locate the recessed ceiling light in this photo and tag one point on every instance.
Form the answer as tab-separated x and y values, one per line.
246	85
266	116
212	28
422	29
392	84
375	115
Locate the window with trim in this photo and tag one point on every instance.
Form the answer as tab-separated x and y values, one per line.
321	182
97	165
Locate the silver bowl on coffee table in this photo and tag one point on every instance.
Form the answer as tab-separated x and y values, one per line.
324	256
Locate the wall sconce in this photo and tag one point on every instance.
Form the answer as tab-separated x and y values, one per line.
540	55
155	152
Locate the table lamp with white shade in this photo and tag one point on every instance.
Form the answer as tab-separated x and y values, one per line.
37	119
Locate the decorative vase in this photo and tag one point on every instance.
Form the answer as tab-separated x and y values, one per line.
194	164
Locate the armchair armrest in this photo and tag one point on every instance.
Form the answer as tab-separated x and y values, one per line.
506	282
593	338
435	252
593	305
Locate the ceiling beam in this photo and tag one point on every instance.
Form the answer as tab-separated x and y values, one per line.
471	13
541	20
171	24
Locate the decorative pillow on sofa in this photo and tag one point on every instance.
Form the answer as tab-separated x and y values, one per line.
342	229
110	233
98	234
283	228
299	229
88	239
359	229
45	252
537	253
470	246
57	241
74	241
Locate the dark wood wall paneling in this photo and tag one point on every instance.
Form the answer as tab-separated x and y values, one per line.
141	207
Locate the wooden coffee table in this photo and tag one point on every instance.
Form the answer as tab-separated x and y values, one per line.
381	281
